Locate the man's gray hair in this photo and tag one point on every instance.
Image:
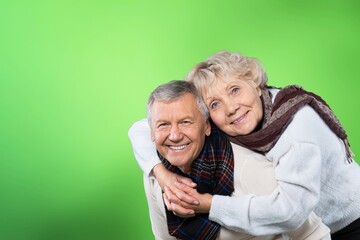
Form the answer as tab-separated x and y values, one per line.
171	91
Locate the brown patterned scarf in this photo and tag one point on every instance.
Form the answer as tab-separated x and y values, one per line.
279	114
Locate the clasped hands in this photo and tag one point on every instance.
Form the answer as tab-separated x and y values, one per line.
180	195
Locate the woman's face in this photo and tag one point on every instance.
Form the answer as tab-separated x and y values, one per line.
234	105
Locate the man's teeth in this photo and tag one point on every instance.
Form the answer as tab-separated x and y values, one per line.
178	147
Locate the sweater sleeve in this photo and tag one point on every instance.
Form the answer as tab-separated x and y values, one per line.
144	149
297	158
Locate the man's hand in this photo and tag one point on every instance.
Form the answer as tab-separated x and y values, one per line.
171	180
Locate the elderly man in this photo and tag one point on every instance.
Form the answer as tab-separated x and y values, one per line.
180	129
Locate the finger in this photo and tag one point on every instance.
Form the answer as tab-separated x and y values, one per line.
181	211
171	196
185	188
186	181
183	196
167	202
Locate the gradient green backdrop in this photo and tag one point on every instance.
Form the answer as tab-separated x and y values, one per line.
74	75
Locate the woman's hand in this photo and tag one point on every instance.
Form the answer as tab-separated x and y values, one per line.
183	208
171	180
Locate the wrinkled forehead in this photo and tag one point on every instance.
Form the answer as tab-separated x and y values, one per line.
184	106
211	87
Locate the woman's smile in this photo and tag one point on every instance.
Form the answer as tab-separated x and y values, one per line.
239	120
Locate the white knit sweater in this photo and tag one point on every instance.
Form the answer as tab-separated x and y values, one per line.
313	175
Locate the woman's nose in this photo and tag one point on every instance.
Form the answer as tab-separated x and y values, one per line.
231	107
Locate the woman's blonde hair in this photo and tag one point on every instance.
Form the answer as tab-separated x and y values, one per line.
223	65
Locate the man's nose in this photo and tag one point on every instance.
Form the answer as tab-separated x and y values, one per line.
175	134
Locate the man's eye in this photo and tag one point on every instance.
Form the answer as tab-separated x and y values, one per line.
185	122
161	125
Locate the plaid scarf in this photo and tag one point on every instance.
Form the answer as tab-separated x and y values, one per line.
213	172
279	114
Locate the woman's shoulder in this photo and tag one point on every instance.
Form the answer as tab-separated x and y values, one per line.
308	126
306	129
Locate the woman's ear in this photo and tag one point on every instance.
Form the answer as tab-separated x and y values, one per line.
258	89
256	86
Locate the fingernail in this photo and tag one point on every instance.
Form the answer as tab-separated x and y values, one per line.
196	202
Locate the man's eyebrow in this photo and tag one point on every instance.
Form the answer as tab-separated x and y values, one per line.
160	121
187	118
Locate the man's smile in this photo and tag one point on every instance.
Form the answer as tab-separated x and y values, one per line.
178	147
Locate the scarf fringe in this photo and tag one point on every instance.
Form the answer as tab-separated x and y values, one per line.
350	155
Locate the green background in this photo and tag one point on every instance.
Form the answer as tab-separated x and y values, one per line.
74	76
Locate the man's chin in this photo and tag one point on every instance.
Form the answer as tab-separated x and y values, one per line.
178	162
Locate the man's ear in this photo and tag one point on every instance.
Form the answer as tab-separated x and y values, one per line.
152	136
207	128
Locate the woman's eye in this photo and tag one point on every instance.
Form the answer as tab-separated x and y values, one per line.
213	105
235	90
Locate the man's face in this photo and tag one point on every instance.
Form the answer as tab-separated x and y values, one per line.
178	130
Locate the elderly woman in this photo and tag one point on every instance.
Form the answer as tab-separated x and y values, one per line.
297	132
